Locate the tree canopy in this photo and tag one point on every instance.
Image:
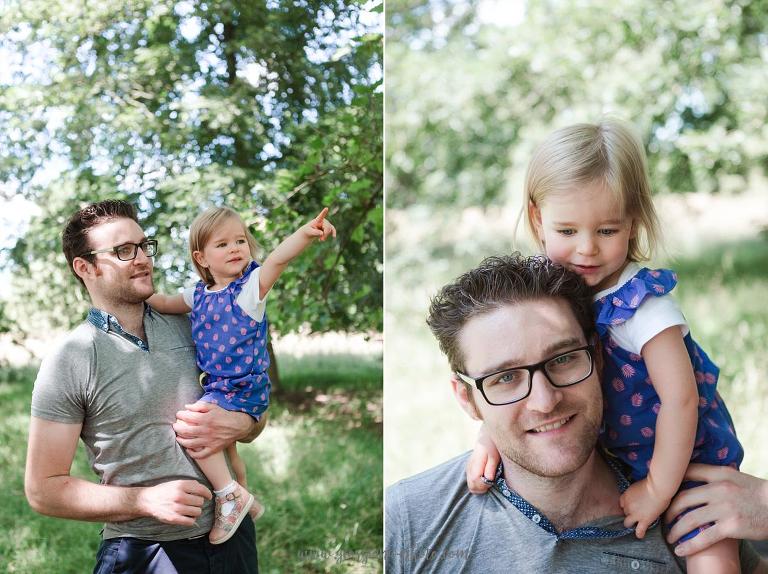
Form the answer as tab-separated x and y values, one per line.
467	94
273	108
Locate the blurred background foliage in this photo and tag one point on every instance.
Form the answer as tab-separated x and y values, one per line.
470	84
273	108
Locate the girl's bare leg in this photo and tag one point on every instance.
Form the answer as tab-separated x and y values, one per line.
237	464
232	500
215	468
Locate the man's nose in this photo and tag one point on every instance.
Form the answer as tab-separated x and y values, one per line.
141	258
544	396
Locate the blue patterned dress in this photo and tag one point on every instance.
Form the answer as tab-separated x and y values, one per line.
631	402
231	349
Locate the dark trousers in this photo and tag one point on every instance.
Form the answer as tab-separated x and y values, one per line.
196	556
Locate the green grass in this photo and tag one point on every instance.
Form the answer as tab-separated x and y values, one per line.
330	372
317	467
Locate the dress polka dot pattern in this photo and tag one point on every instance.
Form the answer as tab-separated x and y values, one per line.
231	349
631	402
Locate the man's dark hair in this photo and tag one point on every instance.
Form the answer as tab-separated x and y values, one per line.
74	238
499	281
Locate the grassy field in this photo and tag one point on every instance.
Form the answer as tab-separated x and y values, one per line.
317	467
723	289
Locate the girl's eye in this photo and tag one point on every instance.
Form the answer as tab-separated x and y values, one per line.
221	245
608	232
240	241
567	232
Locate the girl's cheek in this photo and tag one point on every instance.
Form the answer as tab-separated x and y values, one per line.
555	254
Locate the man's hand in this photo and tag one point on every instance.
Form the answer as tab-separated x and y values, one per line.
175	502
205	429
641	506
737	504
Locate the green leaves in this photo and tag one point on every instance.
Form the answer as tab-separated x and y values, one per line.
468	96
180	105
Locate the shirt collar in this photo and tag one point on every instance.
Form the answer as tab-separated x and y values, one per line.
109	323
538	518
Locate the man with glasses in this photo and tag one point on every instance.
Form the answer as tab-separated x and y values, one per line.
520	338
122	382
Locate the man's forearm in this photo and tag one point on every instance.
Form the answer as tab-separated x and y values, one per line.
205	429
78	499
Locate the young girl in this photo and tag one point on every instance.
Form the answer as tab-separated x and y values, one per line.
229	327
589	208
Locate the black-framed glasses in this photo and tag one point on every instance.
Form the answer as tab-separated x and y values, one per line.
513	385
129	251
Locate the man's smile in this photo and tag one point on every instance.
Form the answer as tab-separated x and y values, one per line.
551	426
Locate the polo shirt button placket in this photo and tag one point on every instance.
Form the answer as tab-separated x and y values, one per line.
536	518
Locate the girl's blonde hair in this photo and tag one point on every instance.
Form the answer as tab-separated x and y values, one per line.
203	228
608	152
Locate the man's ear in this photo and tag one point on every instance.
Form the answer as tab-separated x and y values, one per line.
534	215
462	392
83	268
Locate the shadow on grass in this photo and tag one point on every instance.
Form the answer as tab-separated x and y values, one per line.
345	389
322	482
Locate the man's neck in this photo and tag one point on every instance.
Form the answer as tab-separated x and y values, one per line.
129	315
569	501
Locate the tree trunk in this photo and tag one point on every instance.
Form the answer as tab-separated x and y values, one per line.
274	376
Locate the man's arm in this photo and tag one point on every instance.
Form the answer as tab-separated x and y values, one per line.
51	490
204	428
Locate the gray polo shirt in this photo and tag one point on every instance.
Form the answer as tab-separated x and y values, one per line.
126	395
434	524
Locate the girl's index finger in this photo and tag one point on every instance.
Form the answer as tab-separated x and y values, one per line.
318	221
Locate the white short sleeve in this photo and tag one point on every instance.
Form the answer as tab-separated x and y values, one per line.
653	316
189	296
249	297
